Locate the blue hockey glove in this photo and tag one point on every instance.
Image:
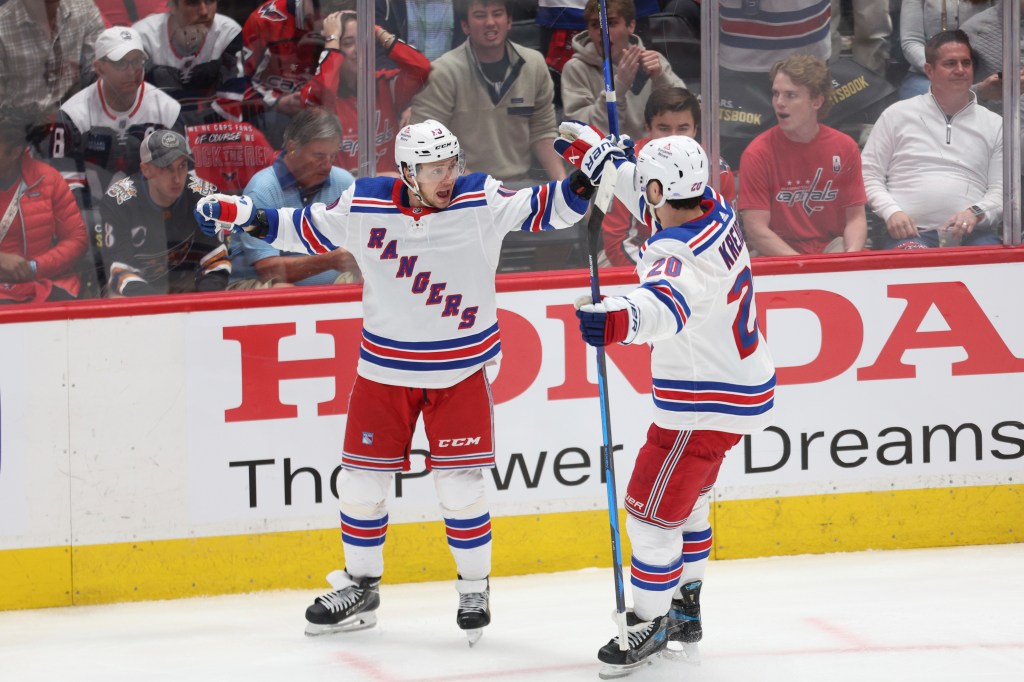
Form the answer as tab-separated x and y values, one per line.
613	320
220	213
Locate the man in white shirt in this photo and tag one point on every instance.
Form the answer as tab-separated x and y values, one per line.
933	165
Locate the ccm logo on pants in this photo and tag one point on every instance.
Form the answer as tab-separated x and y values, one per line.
457	442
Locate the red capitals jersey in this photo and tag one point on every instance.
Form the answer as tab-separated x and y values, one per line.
228	154
624	235
395	90
281	49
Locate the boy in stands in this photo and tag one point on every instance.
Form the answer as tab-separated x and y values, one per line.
669	111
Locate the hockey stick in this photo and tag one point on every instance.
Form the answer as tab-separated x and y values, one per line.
602	202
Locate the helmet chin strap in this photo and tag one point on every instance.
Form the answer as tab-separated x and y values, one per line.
652	208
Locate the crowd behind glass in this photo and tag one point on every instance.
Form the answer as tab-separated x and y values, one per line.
844	125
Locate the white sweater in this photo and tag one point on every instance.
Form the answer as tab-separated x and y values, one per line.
917	162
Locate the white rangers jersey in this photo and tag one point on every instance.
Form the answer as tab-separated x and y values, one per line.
429	302
710	365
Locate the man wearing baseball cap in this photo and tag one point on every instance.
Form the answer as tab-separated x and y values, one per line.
100	128
150	243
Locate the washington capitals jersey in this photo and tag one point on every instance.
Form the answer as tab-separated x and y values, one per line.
194	79
89	132
429	302
281	48
710	365
163	247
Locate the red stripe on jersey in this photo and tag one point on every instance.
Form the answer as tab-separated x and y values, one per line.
773	30
542	205
431	355
713	397
310	236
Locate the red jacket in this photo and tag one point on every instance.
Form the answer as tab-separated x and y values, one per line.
395	90
48	227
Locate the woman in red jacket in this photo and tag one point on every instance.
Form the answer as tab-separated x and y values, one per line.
42	235
334	87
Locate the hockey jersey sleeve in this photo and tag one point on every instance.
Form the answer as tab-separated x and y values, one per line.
304	230
550	206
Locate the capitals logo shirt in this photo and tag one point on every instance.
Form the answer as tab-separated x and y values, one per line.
429	302
710	365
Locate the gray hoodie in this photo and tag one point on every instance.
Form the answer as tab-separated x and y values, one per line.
583	96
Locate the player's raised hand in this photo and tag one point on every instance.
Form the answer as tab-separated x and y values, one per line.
575	139
615	319
218	213
584	147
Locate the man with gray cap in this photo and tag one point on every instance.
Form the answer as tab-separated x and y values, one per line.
101	128
148	238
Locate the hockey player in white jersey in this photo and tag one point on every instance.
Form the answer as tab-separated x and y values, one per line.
713	379
428	246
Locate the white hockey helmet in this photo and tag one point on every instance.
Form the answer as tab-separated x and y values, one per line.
677	162
425	142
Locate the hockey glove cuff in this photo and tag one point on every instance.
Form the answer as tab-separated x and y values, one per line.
220	213
580	185
613	320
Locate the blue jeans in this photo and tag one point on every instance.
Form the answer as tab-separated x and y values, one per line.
929	239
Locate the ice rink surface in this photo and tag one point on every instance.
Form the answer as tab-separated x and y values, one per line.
925	615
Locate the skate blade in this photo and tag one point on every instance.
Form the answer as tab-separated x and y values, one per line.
684	652
610	671
360	621
474	635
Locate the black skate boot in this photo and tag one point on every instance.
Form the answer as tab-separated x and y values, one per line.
646	639
684	626
474	607
351	606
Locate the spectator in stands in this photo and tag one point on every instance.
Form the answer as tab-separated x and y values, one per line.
669	111
283	42
42	236
636	70
754	37
933	164
303	174
149	241
46	54
127	12
490	92
102	126
872	27
985	30
919	21
194	56
334	86
562	20
801	187
427	25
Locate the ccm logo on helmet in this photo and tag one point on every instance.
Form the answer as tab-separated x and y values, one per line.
457	442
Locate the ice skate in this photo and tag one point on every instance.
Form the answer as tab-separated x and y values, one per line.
684	626
646	639
351	606
474	607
